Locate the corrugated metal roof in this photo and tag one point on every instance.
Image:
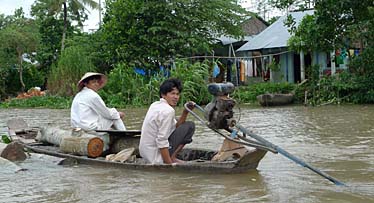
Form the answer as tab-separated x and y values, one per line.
275	36
229	40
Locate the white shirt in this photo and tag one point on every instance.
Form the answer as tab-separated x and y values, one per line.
158	125
87	108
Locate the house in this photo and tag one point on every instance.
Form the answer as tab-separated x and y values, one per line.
269	51
251	27
226	46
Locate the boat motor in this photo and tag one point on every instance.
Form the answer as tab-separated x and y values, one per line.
219	112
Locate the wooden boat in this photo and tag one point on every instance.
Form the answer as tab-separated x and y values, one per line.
196	160
275	99
278	99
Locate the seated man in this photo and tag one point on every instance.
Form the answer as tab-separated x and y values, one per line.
88	110
162	136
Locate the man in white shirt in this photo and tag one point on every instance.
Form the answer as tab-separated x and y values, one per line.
162	136
88	110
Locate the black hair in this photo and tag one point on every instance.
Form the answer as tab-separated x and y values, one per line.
94	77
169	84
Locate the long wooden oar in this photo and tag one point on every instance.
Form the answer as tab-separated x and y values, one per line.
288	155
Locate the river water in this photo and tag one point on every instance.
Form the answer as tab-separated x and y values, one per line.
335	139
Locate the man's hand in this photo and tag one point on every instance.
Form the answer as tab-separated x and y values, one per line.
191	105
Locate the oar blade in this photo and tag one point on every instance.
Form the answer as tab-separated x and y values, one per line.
290	156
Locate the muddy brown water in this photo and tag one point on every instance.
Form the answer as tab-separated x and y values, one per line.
335	139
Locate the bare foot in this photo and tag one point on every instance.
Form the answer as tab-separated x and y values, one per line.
178	161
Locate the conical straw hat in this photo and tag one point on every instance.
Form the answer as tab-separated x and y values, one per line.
103	80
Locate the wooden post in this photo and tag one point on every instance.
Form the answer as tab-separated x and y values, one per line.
302	66
333	68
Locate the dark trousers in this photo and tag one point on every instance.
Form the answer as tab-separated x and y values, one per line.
181	136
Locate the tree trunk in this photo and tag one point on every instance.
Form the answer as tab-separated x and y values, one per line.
65	27
12	152
90	146
53	135
70	141
23	87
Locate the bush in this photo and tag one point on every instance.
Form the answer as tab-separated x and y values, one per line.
194	78
53	102
125	87
3	82
31	77
353	86
71	66
363	64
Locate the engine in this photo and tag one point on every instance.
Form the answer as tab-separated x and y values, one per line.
219	112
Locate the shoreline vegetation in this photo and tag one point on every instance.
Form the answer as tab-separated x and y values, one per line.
49	51
126	88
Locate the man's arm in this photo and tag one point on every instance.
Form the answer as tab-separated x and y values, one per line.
182	118
185	112
109	113
165	155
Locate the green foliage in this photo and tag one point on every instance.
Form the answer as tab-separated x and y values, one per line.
345	87
349	18
148	32
351	24
307	37
53	102
6	139
274	66
50	30
194	77
352	21
73	10
363	64
32	78
3	81
273	19
71	66
125	87
18	37
247	94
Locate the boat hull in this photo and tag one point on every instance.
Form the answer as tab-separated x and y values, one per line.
275	99
196	161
